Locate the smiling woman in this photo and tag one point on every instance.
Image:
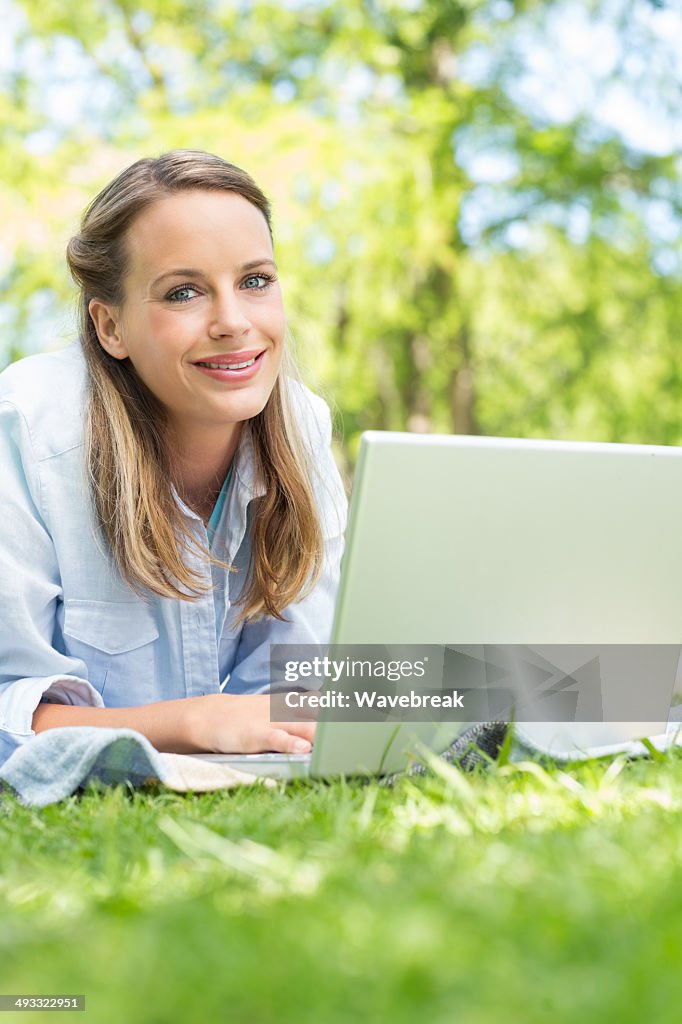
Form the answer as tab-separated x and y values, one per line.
172	507
203	329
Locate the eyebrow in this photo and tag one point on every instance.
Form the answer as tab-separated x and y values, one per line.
193	272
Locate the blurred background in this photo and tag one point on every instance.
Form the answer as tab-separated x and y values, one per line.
478	208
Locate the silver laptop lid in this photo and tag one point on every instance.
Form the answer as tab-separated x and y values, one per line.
464	540
488	540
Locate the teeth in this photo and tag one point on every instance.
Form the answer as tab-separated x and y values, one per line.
228	366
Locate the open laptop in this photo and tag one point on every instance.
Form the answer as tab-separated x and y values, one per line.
478	541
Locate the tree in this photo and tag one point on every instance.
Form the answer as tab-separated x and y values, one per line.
456	255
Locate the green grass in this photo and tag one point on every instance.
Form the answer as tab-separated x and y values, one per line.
516	894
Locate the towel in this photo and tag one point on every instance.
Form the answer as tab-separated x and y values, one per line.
57	762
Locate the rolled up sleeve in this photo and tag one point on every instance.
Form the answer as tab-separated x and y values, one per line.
30	667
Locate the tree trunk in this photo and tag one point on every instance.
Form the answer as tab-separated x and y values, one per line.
462	390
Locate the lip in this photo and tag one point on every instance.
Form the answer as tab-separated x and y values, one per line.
233	376
232	357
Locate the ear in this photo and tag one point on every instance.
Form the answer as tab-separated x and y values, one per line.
107	321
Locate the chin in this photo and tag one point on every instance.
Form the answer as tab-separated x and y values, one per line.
241	412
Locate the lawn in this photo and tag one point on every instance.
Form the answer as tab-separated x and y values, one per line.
512	894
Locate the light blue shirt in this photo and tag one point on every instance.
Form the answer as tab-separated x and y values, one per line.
71	628
218	509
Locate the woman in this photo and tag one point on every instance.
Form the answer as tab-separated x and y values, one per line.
170	504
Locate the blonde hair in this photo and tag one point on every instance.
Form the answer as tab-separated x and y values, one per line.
126	431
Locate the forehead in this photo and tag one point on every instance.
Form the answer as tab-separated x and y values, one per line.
197	228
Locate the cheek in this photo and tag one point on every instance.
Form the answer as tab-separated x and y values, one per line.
161	337
162	325
148	345
277	353
273	320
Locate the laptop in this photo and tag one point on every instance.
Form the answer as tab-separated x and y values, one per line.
497	544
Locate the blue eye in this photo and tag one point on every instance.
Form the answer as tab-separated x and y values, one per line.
265	278
181	294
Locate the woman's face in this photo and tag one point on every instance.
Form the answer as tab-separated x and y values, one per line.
201	288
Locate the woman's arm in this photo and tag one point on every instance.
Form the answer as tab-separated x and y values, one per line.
217	723
31	669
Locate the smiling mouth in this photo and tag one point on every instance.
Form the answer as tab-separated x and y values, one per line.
230	366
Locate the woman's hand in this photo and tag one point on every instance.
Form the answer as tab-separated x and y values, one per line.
223	723
217	723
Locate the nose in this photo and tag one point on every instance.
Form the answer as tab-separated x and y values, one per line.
228	317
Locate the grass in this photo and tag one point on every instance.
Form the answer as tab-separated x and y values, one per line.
517	894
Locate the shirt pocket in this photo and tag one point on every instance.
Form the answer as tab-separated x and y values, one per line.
115	639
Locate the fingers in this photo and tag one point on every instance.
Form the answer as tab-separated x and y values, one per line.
282	742
244	725
306	730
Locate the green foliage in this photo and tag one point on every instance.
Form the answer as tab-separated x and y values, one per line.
424	295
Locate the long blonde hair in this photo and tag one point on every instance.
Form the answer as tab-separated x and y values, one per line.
126	431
